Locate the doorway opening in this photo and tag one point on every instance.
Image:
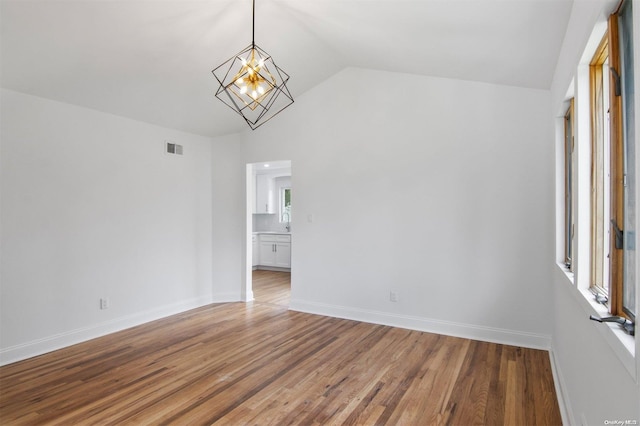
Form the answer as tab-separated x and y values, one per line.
270	199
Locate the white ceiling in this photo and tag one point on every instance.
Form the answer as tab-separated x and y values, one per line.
152	60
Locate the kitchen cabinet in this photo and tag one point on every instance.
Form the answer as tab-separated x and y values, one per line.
265	194
283	255
275	250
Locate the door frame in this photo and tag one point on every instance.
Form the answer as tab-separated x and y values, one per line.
247	285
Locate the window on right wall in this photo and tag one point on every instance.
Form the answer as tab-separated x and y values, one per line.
569	186
613	204
600	170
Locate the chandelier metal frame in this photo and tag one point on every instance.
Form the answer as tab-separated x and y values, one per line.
252	84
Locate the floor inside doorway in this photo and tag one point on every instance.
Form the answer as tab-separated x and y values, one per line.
272	287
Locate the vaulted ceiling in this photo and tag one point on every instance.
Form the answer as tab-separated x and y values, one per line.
151	60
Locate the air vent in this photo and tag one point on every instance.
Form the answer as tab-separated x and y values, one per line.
174	148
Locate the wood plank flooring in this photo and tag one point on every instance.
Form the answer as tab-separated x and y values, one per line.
260	364
272	287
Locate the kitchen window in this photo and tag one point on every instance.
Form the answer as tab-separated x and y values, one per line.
285	205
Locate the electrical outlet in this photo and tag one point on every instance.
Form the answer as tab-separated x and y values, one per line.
393	296
104	303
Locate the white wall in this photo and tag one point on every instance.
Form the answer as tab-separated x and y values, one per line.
437	189
92	207
596	384
229	218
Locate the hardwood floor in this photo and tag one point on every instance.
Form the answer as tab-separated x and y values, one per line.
272	287
260	364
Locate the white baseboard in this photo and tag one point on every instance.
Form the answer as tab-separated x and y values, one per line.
448	328
561	390
58	341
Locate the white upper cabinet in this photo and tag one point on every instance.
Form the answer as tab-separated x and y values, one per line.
265	194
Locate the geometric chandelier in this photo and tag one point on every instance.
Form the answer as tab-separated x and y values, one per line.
252	84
